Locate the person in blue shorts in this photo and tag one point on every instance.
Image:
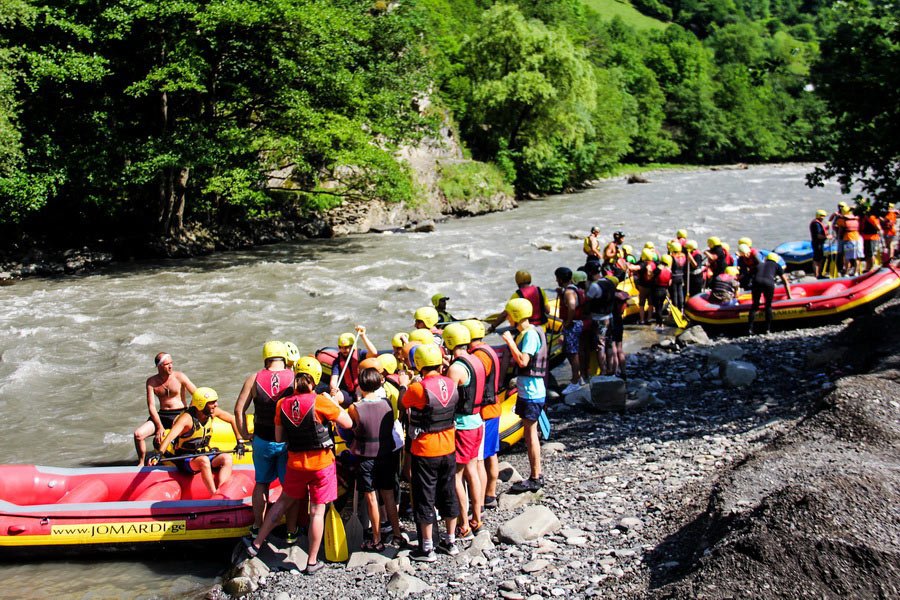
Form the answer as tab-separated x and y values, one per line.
529	351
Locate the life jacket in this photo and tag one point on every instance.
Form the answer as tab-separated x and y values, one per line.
663	277
538	365
749	262
533	294
351	375
721	285
303	432
579	302
270	387
394	392
850	223
698	259
588	248
471	395
645	275
374	426
492	379
620	302
439	412
869	229
889	223
729	259
817	227
197	440
604	304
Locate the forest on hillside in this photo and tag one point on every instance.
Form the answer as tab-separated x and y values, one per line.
131	118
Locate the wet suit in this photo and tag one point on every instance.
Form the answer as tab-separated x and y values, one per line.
764	286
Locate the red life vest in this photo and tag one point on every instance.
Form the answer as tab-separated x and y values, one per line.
471	395
351	375
663	277
646	272
579	302
492	381
750	262
850	223
270	386
533	294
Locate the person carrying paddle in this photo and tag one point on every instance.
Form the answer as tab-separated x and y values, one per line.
190	435
349	354
172	388
299	424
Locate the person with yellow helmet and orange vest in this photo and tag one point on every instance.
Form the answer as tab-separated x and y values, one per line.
529	351
540	305
838	233
849	224
764	287
264	388
889	229
870	230
190	435
311	476
346	387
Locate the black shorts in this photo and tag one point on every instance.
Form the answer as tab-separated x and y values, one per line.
818	252
869	248
378	473
167	417
434	486
616	330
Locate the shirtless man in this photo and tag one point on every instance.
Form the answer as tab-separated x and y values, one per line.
171	387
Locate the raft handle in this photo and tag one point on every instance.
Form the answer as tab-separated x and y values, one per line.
15	529
219	521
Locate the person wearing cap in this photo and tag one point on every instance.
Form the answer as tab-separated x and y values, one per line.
540	305
764	287
346	387
592	245
440	304
818	233
264	389
171	388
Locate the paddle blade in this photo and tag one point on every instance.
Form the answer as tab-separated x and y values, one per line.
677	316
354	528
335	538
544	424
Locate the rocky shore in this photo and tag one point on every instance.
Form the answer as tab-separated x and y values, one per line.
783	488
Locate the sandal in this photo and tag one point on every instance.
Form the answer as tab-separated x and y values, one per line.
249	548
370	546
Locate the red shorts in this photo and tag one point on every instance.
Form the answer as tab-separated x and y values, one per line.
468	443
320	486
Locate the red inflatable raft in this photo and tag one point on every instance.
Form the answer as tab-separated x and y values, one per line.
812	303
50	510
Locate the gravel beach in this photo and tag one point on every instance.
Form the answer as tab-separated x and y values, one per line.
787	487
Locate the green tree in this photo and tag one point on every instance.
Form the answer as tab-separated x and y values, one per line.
858	75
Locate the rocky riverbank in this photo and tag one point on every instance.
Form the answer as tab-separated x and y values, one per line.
783	488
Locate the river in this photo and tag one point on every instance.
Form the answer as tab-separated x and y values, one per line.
75	351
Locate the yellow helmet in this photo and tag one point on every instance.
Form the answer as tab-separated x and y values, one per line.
821	213
744	250
203	396
519	308
423	336
476	328
614	279
674	246
690	245
627	249
666	260
293	353
650	245
274	350
842	204
726	247
523	278
845	210
388	363
713	241
456	334
681	233
733	271
647	254
578	276
427	355
346	339
773	257
310	366
745	240
428	315
436	299
397	340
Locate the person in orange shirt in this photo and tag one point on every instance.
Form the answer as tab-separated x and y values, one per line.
870	229
889	229
311	471
431	403
849	225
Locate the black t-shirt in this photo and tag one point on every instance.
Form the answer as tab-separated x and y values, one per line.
767	271
815	230
719	266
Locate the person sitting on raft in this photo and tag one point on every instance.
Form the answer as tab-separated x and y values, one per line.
190	435
172	388
724	286
440	305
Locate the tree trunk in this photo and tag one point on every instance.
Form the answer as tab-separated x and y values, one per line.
176	226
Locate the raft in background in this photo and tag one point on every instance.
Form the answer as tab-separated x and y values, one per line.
815	302
799	255
47	510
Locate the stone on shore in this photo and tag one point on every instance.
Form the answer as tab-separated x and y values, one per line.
508	473
608	393
737	373
536	521
239	586
693	335
404	585
513	501
551	448
723	353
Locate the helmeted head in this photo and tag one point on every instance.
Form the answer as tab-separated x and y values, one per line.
388	363
713	241
666	260
563	275
423	336
690	245
733	271
408	347
272	350
595	230
579	276
613	279
205	400
523	278
674	246
427	316
726	247
746	241
821	214
618	236
398	340
681	234
744	250
371	362
438	299
293	353
476	328
427	355
519	309
310	366
345	340
773	257
627	249
647	254
650	246
456	334
845	210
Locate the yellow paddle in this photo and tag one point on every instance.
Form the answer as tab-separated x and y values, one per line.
677	316
335	539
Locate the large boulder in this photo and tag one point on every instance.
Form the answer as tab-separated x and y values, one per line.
608	393
404	585
737	373
723	353
693	335
534	522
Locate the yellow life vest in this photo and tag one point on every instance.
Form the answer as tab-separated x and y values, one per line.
198	440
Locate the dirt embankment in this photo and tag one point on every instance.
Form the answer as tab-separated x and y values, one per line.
815	513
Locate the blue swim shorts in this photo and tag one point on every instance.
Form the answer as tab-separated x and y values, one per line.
269	460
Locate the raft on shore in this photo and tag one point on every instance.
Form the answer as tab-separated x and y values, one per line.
48	510
813	303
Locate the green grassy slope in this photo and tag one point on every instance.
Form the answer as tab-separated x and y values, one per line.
622	8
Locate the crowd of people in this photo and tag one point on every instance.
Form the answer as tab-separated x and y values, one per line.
862	236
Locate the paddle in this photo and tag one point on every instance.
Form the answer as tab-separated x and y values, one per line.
544	424
354	528
154	460
676	313
347	364
335	537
